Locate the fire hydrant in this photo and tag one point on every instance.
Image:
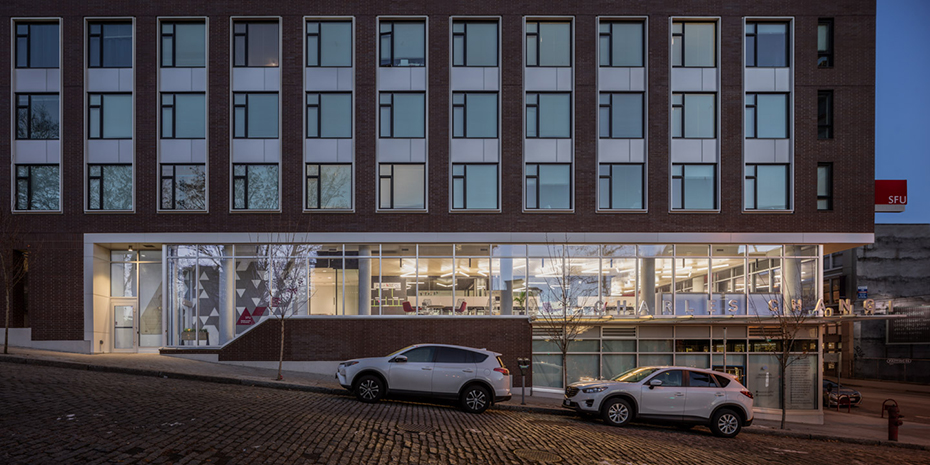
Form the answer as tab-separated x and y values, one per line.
894	421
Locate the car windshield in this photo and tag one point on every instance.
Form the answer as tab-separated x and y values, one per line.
635	375
399	351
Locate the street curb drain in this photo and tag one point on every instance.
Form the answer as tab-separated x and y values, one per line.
410	428
537	455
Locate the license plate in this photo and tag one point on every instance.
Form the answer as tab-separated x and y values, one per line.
567	403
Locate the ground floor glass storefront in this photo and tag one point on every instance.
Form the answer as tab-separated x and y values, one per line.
218	290
743	351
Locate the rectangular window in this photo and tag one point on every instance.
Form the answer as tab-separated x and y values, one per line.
402	115
109	116
255	115
548	186
549	115
329	43
474	115
621	43
694	44
766	187
767	45
183	116
548	43
255	43
694	116
694	187
109	45
621	116
329	115
825	186
255	186
620	186
37	116
109	187
329	186
402	187
474	186
183	187
767	116
37	45
474	43
824	114
183	44
825	43
403	43
37	187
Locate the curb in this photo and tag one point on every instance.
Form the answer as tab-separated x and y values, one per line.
169	375
342	392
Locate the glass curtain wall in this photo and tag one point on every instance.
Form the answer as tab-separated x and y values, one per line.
213	285
606	351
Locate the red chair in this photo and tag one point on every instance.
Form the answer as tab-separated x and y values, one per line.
461	308
408	309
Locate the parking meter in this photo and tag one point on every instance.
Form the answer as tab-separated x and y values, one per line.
524	364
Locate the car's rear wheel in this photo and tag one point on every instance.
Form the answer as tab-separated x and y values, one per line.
369	389
475	399
726	424
617	412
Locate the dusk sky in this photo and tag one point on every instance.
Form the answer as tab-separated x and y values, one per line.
902	104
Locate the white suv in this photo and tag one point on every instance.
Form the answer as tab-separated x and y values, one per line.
682	395
474	377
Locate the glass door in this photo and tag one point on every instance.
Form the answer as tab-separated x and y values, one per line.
124	327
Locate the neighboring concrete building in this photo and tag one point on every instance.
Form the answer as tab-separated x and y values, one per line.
894	272
186	169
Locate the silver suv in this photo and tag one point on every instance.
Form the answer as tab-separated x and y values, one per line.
682	395
474	377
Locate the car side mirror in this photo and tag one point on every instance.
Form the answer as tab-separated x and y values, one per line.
400	359
654	383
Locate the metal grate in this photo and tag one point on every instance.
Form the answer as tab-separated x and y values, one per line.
619	331
537	455
764	331
547	332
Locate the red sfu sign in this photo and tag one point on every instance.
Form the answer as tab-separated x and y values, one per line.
246	318
890	195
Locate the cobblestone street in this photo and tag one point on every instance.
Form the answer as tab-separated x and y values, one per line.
55	415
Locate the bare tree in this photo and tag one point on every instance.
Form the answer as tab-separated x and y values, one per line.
785	321
284	268
563	291
14	264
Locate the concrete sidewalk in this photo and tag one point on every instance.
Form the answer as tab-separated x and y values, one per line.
838	426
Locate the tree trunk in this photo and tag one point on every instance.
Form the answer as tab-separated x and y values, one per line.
6	330
281	354
564	371
782	384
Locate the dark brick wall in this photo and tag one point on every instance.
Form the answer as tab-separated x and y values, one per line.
57	311
328	339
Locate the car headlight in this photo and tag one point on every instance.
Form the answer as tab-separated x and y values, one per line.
592	390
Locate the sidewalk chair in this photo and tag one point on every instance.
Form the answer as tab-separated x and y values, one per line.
462	308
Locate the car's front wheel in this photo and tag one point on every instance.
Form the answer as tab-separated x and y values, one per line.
726	424
475	399
617	412
369	389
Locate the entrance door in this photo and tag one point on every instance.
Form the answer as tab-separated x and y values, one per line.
125	326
